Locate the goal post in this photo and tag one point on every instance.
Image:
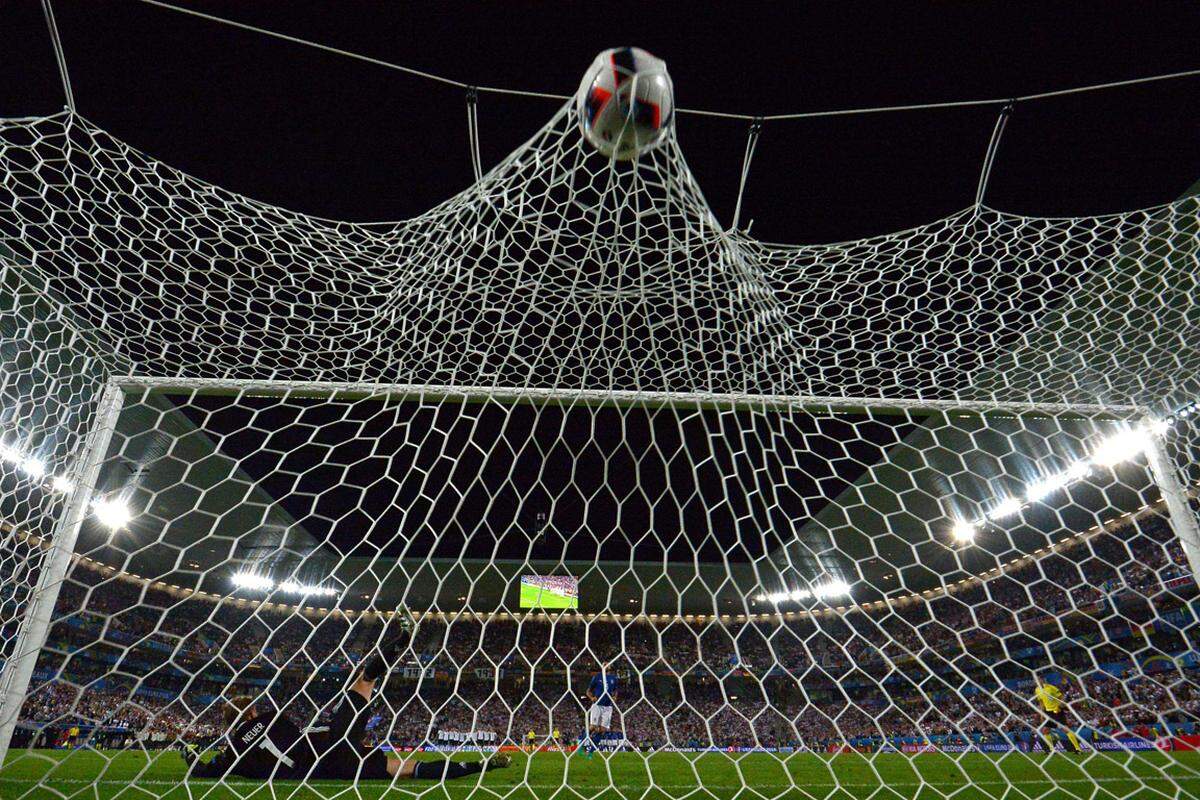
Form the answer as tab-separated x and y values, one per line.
1180	507
39	610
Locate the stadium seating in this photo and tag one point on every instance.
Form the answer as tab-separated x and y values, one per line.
1117	628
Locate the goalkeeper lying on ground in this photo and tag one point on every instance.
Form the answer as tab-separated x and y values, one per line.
266	746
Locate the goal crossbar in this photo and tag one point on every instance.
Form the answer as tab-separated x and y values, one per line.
595	397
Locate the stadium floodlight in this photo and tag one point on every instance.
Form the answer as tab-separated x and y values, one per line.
1158	427
1126	445
831	589
292	587
111	512
964	532
10	454
1044	487
60	484
1009	506
33	467
248	580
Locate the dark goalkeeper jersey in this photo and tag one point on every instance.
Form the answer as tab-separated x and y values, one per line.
268	746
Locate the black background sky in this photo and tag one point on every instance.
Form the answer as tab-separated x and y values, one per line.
326	135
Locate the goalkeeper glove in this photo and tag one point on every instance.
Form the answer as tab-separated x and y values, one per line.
379	662
190	753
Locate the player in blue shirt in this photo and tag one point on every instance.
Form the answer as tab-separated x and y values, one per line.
602	691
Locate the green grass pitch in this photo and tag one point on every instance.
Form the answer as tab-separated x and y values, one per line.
41	775
537	597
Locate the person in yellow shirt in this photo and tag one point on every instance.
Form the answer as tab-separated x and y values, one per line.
1053	706
531	739
556	739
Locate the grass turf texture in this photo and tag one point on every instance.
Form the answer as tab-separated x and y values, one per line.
45	774
537	597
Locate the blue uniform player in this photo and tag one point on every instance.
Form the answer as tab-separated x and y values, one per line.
602	691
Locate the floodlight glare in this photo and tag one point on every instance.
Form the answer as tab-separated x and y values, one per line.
1158	427
1045	487
248	580
963	532
1005	508
1079	470
293	587
33	467
61	484
831	589
1121	447
111	513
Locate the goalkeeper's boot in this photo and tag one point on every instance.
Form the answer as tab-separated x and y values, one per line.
498	761
386	655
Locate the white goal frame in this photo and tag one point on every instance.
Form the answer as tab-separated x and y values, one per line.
35	623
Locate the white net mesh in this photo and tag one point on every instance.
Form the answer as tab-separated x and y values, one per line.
834	511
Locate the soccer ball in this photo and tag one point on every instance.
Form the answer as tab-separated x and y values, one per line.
625	103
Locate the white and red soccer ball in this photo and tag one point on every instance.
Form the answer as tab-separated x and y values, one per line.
625	103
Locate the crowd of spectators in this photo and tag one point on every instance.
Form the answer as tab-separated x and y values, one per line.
1113	618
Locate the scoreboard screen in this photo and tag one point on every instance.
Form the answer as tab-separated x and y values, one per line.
549	591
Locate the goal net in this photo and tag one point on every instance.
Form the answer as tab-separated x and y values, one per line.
674	512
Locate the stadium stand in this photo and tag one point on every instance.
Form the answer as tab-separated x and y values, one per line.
955	667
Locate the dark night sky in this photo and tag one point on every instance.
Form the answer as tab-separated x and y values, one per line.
338	138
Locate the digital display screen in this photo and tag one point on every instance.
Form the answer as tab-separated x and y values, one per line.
549	591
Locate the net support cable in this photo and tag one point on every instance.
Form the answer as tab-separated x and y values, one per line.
751	142
473	132
990	156
59	56
699	112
